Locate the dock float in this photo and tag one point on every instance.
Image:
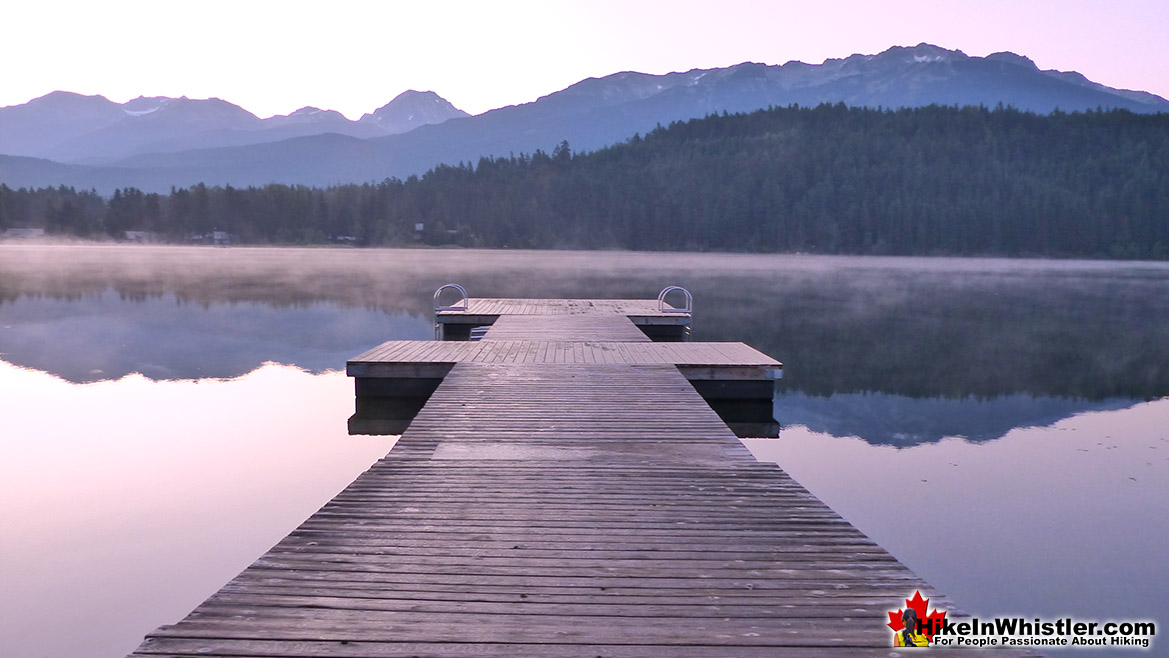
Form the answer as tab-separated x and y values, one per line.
561	487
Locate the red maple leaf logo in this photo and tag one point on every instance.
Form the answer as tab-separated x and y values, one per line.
929	623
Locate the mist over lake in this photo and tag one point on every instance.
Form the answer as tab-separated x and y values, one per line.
169	413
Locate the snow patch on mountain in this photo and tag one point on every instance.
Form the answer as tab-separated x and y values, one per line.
138	113
412	109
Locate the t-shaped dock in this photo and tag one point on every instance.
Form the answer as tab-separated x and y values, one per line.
561	488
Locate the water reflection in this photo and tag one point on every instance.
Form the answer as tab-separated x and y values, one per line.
1054	521
105	335
126	503
923	328
897	420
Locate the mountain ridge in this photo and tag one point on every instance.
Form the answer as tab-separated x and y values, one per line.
411	109
418	130
76	129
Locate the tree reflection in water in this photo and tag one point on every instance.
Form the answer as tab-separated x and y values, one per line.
116	477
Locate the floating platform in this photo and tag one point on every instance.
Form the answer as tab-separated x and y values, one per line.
656	320
564	489
395	379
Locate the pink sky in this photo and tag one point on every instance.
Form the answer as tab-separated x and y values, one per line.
275	57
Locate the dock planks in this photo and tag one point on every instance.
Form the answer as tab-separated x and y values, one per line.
543	307
491	350
564	492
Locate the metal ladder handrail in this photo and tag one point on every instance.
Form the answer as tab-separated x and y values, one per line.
662	300
439	308
462	291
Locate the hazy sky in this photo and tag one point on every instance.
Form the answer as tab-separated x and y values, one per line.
272	57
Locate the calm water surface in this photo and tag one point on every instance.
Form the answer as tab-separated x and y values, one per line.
168	414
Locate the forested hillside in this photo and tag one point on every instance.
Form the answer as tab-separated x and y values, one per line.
830	179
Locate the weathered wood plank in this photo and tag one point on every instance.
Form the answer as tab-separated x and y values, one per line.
549	346
565	491
174	647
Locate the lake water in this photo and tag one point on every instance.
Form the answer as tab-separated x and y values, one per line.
167	414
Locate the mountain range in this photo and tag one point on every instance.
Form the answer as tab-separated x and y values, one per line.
156	143
75	129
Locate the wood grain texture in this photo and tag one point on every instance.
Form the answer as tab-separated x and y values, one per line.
565	491
537	351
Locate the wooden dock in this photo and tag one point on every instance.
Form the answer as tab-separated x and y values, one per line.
563	490
396	378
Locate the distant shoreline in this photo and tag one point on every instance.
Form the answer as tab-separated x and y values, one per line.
66	242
